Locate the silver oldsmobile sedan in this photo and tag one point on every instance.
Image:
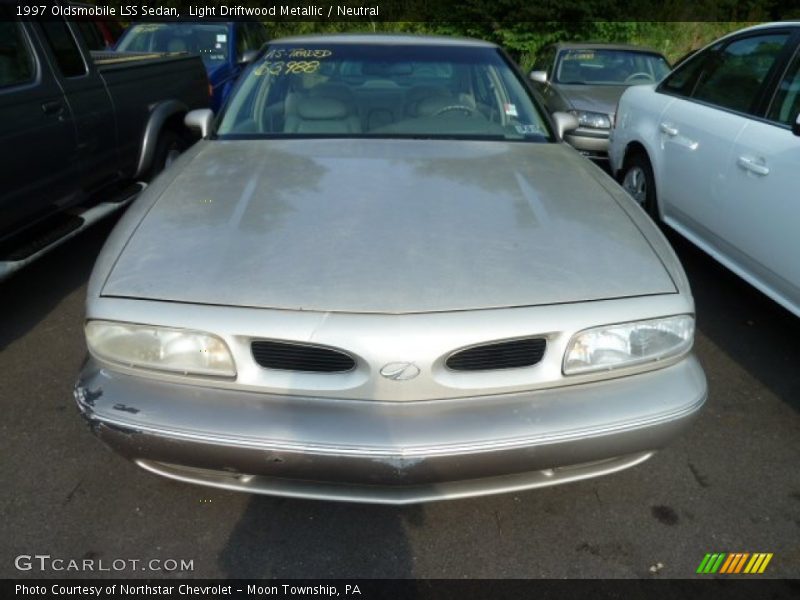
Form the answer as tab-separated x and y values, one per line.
382	277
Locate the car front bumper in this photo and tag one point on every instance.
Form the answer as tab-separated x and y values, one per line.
590	142
389	452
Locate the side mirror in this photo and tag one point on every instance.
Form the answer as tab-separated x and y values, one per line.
796	126
247	57
200	120
564	122
538	76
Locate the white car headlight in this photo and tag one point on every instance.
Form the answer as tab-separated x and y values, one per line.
593	120
160	348
628	344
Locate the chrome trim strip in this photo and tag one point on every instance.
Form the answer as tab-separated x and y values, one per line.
417	451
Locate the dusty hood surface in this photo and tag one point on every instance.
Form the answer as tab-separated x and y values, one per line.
595	98
391	226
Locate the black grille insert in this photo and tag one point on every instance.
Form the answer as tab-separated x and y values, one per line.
498	355
301	357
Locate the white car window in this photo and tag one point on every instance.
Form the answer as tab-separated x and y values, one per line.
786	103
732	77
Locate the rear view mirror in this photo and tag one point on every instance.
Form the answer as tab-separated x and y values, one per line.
247	57
200	121
538	76
564	122
796	126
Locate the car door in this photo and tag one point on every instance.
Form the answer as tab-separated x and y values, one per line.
717	92
37	136
762	193
91	107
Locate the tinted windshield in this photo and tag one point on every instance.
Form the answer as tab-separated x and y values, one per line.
610	67
209	41
349	89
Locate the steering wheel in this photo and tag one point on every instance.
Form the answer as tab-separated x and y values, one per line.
641	75
467	109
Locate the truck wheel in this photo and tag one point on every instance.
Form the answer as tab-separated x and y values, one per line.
170	145
637	179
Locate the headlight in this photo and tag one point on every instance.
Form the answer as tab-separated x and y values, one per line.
160	348
627	344
593	120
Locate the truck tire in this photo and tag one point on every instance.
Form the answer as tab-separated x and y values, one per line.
170	145
637	179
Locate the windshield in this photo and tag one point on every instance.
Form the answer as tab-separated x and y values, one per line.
353	90
209	41
610	67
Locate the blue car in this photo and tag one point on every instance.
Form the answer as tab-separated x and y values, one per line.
223	46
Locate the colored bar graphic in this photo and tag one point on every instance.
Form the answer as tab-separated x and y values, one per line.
764	564
703	563
740	564
754	563
727	565
717	563
734	563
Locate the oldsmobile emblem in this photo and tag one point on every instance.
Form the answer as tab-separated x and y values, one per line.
400	371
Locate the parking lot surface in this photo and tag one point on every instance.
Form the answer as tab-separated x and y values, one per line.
732	484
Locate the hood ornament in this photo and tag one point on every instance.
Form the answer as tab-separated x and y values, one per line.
400	371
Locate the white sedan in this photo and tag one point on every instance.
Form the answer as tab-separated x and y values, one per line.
714	152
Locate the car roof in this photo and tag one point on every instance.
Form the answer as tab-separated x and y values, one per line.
385	39
771	25
604	46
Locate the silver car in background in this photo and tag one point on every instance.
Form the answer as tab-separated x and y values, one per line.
714	153
382	277
587	80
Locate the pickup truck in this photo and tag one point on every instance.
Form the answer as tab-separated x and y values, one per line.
225	47
81	131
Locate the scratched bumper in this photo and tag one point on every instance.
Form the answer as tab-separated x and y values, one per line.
389	452
589	141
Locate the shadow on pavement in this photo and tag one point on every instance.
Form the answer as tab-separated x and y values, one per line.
287	538
756	332
32	293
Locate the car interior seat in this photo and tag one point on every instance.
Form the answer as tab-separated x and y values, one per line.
318	114
417	94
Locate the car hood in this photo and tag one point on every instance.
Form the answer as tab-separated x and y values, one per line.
393	226
595	98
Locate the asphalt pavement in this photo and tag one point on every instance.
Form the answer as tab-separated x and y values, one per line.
732	484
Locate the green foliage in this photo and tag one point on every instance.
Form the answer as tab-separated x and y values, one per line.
523	27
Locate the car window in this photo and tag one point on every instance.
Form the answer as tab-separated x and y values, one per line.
65	49
16	61
786	104
91	34
350	89
681	81
243	39
732	76
599	66
209	41
255	36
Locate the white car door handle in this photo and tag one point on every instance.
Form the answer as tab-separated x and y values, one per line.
749	164
668	129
